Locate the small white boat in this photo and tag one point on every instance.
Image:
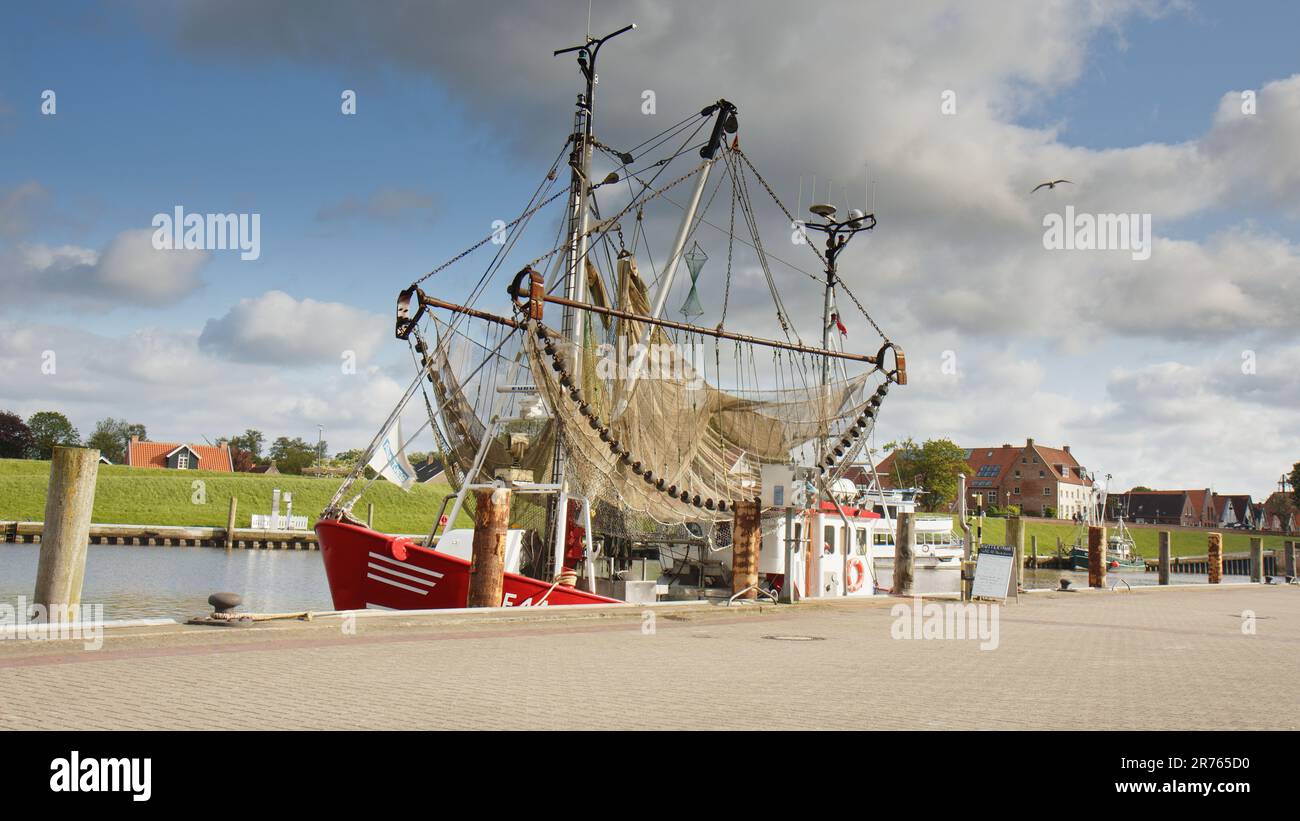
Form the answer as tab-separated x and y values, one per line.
937	546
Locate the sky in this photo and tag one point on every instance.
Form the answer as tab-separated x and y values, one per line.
1181	369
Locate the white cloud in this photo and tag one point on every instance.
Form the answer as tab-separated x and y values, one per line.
275	328
957	261
127	272
164	380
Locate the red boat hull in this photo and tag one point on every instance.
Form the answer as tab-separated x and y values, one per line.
370	569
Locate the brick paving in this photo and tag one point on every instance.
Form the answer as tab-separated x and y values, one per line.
1152	659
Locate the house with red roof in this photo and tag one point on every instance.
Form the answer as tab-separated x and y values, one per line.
179	456
1041	480
1236	509
1278	514
1203	503
1225	512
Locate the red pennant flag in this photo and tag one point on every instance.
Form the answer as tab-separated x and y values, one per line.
836	319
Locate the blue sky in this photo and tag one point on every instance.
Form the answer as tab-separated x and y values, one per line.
1160	79
236	108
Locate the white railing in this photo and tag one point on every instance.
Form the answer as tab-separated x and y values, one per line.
268	522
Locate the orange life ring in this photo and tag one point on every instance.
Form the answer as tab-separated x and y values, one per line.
857	575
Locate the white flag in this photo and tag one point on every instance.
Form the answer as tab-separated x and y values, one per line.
389	459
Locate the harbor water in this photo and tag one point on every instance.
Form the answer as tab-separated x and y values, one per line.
175	582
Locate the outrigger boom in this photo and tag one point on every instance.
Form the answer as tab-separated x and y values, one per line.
535	297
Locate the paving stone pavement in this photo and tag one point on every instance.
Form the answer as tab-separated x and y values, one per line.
1158	659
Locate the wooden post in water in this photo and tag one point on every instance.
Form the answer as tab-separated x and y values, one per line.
1096	556
1256	559
370	515
1214	557
65	538
1289	559
1033	551
1162	558
1016	539
904	554
747	536
230	524
488	559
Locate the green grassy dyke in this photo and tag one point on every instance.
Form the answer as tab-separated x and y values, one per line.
154	496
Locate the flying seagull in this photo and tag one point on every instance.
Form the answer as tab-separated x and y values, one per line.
1051	184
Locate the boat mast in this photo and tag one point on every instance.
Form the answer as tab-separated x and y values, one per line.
575	279
838	233
726	123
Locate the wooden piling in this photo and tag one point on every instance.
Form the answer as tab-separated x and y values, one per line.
904	554
69	499
1016	539
747	536
1165	550
1256	559
1096	556
230	524
1289	559
1214	557
370	515
1033	551
488	560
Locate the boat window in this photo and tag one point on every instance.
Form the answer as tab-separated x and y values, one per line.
828	539
863	541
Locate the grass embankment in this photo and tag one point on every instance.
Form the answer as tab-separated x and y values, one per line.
155	496
1183	541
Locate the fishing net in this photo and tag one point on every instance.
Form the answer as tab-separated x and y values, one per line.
688	436
694	440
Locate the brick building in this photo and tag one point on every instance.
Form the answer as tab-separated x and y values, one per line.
1041	480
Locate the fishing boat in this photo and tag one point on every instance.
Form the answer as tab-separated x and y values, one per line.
1121	550
620	432
937	546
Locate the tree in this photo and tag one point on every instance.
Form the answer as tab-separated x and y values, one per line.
292	455
348	457
1140	489
1295	484
932	467
251	441
112	436
242	460
49	429
16	440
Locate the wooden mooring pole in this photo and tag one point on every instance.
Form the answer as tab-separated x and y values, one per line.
1033	551
1162	567
370	515
1214	557
1289	559
747	535
230	524
1256	559
1096	556
1016	539
904	554
65	538
488	559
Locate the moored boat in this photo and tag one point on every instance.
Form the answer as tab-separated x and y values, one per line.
369	569
611	428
